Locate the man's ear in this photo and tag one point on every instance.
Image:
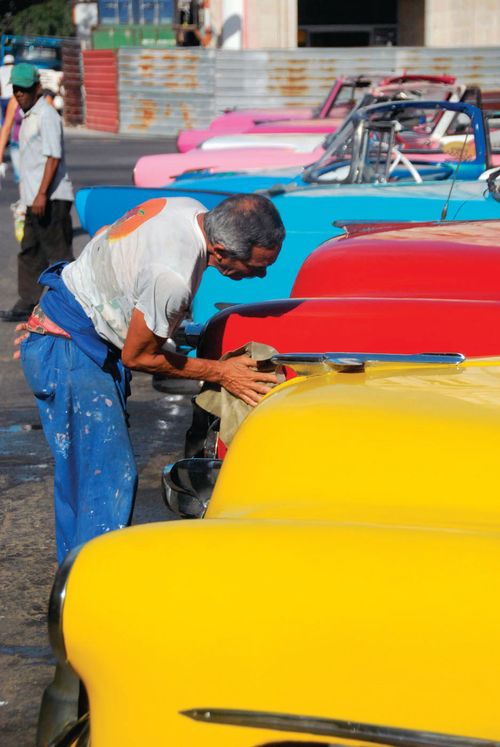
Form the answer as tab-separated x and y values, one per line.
220	251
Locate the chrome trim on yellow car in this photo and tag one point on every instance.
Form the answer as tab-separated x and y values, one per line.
309	363
56	605
327	727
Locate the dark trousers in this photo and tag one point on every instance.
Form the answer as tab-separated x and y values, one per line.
46	240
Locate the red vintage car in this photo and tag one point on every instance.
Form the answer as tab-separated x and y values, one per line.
428	288
430	260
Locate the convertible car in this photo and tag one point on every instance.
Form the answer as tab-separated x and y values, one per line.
351	287
339	100
429	287
277	146
343	585
378	177
343	96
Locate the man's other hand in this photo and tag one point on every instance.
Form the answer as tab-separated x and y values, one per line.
18	340
39	205
239	378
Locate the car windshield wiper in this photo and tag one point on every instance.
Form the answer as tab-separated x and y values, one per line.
326	727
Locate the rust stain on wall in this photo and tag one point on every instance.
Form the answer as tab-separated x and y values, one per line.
185	114
147	114
176	58
290	90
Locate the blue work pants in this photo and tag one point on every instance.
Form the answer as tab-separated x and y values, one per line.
84	420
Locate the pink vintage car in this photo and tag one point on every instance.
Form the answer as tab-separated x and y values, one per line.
343	94
339	101
274	149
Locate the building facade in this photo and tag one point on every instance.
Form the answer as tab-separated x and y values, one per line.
286	24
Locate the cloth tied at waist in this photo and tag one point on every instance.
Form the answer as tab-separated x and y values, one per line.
62	308
40	323
231	409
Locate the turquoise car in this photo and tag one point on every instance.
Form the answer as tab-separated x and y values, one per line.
391	162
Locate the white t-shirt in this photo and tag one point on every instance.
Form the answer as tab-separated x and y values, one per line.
41	136
151	259
5	84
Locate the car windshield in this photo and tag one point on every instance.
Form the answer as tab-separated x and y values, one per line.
348	96
381	144
493	129
400	93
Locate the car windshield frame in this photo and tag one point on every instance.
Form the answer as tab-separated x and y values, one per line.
349	147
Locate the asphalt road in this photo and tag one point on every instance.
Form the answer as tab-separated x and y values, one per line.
27	546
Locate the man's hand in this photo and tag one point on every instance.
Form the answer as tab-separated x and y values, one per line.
18	340
49	172
39	205
239	378
143	351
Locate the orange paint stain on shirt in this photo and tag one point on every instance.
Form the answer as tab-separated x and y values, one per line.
135	218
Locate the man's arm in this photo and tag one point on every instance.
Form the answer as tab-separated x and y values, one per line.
7	125
142	352
40	201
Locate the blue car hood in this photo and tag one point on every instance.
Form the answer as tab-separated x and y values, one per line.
242	181
308	214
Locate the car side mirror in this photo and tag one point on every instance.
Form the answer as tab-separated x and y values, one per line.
187	486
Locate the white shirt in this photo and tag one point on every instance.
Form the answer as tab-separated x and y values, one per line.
151	259
5	84
40	136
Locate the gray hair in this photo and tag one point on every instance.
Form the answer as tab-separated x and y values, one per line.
243	221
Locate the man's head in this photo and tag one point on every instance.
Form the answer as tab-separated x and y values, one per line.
244	234
25	80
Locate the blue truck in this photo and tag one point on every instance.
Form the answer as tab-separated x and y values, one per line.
42	51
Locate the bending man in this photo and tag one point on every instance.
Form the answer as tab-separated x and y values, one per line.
112	310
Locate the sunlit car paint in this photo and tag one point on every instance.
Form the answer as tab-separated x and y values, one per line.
341	98
431	287
308	214
278	145
373	283
351	573
448	260
308	211
438	141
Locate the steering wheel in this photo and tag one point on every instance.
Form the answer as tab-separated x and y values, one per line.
400	158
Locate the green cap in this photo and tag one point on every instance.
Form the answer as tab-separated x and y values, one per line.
24	75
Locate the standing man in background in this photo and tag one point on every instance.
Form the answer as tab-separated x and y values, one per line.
5	84
45	190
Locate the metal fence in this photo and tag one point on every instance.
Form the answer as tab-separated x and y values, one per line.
163	91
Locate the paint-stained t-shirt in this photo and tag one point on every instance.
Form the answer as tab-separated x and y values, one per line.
40	136
151	259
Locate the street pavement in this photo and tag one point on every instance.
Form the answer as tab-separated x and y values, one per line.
27	545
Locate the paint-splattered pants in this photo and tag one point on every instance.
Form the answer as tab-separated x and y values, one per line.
85	424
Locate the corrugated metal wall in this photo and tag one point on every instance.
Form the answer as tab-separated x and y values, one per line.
164	91
101	90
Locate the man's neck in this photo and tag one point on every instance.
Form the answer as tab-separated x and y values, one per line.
28	111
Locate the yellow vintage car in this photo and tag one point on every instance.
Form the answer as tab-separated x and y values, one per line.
344	585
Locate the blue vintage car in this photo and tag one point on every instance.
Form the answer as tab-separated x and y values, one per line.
395	161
